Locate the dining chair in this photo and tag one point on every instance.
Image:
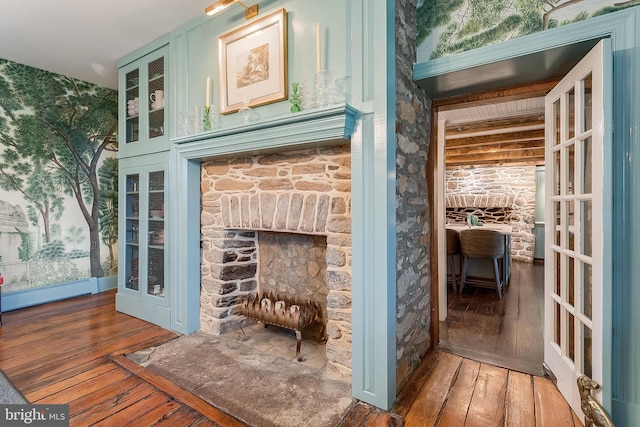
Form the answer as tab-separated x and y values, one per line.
482	244
453	250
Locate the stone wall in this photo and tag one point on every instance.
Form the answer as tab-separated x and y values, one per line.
303	192
495	193
293	265
413	225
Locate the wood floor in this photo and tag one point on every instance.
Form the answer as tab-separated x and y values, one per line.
507	331
449	390
71	352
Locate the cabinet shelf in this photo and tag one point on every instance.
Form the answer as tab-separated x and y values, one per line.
144	131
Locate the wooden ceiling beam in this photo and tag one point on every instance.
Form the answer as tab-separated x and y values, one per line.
529	162
501	125
533	135
489	97
494	148
497	157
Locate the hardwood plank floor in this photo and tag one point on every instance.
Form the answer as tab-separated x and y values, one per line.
469	393
68	352
508	331
72	351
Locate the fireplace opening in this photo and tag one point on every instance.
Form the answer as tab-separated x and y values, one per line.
294	266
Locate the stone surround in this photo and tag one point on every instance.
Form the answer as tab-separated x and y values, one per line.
500	195
304	192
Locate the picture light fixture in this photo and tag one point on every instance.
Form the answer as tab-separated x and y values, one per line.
219	6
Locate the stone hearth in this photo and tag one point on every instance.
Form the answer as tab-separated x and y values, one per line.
297	202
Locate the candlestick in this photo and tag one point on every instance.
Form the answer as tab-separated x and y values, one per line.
318	49
207	101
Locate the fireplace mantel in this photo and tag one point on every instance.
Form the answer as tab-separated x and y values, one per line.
309	128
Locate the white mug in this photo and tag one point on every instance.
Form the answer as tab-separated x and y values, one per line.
157	99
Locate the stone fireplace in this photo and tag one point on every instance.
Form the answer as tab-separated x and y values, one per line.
279	222
498	195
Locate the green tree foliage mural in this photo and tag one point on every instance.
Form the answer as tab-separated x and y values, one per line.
42	193
108	176
26	248
469	24
74	236
53	131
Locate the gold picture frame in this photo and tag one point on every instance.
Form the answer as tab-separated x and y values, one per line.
252	63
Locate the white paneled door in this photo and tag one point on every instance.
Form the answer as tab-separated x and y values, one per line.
577	325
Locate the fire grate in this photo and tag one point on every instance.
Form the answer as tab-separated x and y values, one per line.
281	311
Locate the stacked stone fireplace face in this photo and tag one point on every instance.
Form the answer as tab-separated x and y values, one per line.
279	222
497	195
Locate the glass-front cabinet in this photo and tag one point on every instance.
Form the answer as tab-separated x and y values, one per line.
142	285
142	103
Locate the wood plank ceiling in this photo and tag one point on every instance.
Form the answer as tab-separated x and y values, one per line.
499	127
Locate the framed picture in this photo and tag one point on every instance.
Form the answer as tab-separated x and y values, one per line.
253	63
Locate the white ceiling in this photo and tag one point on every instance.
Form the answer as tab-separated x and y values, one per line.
84	38
493	111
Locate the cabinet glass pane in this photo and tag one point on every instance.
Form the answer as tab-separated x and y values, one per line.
156	98
132	237
155	262
133	106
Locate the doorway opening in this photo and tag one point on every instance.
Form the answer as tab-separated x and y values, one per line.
493	150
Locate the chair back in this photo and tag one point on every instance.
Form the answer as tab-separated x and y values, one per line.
453	242
477	243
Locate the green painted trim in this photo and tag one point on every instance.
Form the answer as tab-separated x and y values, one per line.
625	241
35	296
313	126
107	283
373	207
184	231
590	29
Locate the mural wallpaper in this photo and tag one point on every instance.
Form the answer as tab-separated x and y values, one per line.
58	178
452	26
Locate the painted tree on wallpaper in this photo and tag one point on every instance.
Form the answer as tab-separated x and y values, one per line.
461	25
108	207
53	131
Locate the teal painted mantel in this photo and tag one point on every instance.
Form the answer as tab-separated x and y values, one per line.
308	128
